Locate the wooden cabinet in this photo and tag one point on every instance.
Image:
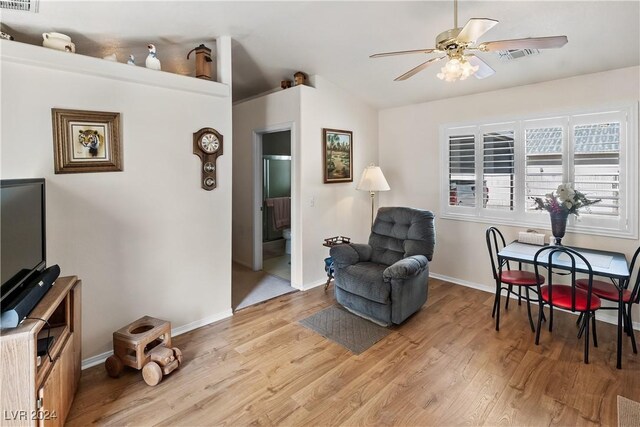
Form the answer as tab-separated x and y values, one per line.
39	390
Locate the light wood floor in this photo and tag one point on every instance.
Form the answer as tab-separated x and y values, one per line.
445	366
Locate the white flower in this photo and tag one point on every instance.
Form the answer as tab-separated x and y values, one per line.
565	192
568	204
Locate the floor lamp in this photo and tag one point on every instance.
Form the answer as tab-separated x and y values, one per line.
373	180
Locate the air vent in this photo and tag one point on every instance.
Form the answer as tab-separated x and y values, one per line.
23	5
510	55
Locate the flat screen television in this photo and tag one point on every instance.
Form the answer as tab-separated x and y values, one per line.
22	234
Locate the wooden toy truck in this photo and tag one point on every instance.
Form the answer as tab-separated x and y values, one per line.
144	344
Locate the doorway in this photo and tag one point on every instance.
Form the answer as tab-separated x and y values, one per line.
276	204
270	276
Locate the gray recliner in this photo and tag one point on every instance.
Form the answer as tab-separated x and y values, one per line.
387	280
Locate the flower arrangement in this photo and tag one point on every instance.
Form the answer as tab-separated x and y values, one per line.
564	200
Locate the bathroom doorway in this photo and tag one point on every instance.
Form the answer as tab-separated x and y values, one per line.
270	275
276	204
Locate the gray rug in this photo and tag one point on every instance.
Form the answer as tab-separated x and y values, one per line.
628	412
350	331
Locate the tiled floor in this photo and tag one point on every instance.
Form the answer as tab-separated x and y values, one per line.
274	259
278	266
250	287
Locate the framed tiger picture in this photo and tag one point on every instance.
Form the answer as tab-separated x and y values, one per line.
86	141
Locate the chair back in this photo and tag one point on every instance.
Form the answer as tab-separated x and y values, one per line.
544	258
634	269
400	232
495	243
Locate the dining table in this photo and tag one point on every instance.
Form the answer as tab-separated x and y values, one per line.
612	265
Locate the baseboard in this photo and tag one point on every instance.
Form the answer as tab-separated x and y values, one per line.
243	263
607	316
479	286
95	360
100	358
314	285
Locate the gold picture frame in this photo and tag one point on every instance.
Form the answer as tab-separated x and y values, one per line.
86	141
337	154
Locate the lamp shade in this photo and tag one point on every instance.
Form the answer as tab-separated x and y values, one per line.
373	180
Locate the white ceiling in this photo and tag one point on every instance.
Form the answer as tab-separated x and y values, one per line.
272	40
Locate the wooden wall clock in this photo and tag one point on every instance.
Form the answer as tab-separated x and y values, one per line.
207	144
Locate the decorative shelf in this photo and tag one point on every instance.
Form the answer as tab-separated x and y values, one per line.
22	53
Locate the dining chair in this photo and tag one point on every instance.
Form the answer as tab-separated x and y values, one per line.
504	275
609	291
567	296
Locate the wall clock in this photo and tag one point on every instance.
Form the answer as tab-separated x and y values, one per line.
207	144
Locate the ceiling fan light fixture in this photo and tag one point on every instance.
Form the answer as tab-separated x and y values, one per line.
459	45
456	69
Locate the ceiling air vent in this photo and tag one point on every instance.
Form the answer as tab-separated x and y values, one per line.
24	5
510	55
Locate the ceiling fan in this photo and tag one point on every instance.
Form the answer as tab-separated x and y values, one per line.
458	44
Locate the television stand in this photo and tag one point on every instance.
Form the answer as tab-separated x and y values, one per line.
39	390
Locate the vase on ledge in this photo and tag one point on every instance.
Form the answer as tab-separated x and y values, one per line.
558	225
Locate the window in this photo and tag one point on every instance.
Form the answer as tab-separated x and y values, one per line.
543	161
494	170
498	170
462	170
597	165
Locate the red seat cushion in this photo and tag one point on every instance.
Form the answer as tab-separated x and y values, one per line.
562	298
604	290
520	278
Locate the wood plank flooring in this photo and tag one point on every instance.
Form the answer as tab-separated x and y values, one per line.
445	366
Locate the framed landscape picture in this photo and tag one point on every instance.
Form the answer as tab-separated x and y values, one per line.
86	141
337	151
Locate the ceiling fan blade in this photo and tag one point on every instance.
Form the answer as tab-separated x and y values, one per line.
484	70
475	28
403	52
528	43
417	69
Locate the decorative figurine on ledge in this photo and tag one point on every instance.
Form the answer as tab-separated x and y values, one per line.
299	78
203	62
58	41
285	84
131	60
152	61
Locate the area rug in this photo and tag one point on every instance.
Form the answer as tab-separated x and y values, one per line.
628	412
350	331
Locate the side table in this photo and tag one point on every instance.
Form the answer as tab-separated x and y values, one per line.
328	262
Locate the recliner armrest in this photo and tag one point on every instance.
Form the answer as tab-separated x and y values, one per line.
406	267
349	254
364	251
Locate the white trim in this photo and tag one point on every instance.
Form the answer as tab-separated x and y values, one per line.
257	200
257	192
313	285
37	56
243	263
100	358
95	360
296	257
603	316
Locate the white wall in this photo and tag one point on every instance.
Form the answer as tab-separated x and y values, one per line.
410	157
269	112
333	209
321	210
147	240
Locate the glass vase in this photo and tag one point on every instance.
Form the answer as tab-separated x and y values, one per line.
558	225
